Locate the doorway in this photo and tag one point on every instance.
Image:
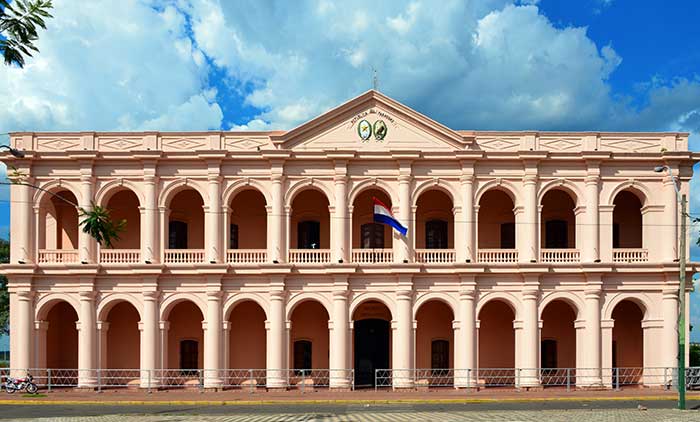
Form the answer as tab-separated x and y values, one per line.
371	350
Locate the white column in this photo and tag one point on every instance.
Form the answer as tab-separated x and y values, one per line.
529	341
214	235
212	341
531	226
21	325
149	339
341	222
102	330
467	251
403	350
606	340
22	227
40	329
277	249
669	339
581	375
87	346
592	346
276	344
150	251
405	217
86	244
465	353
669	230
227	344
591	230
164	328
339	347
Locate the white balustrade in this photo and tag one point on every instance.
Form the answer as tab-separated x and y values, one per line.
435	256
120	256
246	256
630	255
497	256
560	256
372	256
184	256
57	256
309	256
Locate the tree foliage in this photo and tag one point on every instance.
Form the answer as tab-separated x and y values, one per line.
97	223
20	21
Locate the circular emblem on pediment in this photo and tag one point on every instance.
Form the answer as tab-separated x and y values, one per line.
364	129
380	130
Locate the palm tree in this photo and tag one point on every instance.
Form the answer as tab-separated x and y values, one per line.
19	24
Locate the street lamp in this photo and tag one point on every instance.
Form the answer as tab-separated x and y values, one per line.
681	296
17	153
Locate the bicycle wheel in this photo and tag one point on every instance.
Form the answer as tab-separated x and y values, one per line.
31	388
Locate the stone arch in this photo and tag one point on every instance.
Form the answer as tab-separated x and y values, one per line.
169	303
640	299
244	184
503	185
363	297
508	298
302	297
108	302
570	298
562	184
46	302
434	184
305	184
371	184
177	186
639	189
105	192
445	298
237	298
49	188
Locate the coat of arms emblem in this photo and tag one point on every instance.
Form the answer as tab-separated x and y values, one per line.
364	129
380	130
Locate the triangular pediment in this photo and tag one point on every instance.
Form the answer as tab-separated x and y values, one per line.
372	122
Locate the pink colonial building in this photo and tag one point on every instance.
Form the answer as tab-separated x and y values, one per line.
242	251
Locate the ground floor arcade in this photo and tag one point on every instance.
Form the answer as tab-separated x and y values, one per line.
502	332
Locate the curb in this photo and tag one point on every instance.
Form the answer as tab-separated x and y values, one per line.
321	402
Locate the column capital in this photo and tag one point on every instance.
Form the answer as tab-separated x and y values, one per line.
278	294
164	325
467	294
405	178
41	325
340	294
530	179
592	180
87	295
530	294
151	295
25	295
214	295
670	293
404	294
103	325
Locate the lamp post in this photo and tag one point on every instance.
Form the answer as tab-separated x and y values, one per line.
681	296
17	153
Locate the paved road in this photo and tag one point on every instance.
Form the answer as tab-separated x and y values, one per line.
564	411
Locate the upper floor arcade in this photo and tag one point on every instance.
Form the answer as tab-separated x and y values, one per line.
305	196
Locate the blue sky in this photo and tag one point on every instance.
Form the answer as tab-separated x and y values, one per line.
482	64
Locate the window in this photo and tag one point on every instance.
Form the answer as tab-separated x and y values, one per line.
436	234
616	235
440	354
308	235
177	235
372	236
548	354
508	236
189	356
233	236
556	234
302	356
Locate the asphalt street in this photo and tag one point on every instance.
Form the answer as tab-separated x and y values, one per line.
356	412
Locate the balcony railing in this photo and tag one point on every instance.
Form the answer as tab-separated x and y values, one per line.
372	256
120	256
560	256
309	256
497	256
630	255
435	256
58	256
246	256
184	256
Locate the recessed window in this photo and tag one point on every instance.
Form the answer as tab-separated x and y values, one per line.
436	234
440	354
189	356
508	236
372	236
177	235
309	234
233	236
556	234
549	354
302	356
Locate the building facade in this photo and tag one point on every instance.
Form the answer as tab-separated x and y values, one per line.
257	250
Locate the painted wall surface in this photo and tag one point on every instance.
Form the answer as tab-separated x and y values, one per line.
557	204
249	213
558	324
123	337
311	204
434	323
310	322
124	205
495	208
434	205
247	342
62	337
363	213
628	336
185	324
496	336
187	206
627	214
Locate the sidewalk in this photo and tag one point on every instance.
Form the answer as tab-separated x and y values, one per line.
238	397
